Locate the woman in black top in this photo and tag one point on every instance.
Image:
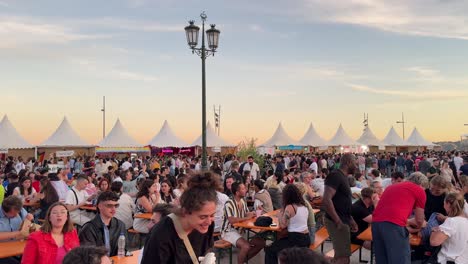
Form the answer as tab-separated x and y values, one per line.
166	192
196	215
47	197
435	196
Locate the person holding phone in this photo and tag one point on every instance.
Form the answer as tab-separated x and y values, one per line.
77	197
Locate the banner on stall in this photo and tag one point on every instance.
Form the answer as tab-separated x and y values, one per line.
64	153
3	151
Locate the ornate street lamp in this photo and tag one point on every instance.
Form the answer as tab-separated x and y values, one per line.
212	35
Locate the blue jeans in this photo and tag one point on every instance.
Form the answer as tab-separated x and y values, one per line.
391	243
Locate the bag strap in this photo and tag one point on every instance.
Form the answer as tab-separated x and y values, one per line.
180	231
76	197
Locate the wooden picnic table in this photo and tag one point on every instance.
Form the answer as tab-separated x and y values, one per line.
366	235
12	248
127	260
249	223
143	215
89	207
31	204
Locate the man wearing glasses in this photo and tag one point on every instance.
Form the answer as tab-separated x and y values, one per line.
104	229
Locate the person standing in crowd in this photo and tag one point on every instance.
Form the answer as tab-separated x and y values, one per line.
452	235
235	210
219	215
252	167
56	237
293	217
193	220
104	229
390	236
337	202
409	164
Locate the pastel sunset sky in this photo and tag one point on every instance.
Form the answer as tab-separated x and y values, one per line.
297	61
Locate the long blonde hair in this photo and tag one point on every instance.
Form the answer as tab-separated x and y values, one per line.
456	202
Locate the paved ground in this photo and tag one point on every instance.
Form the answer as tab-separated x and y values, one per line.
259	259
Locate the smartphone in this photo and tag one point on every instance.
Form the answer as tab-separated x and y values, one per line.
273	225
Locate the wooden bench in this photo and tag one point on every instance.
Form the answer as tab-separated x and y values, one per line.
222	245
140	236
320	236
354	248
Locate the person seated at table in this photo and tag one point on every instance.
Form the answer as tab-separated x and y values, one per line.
159	212
228	181
56	237
377	187
147	197
262	199
87	255
24	190
94	232
308	179
219	215
167	196
181	186
361	212
293	217
300	255
396	177
126	205
103	185
235	211
271	185
311	218
194	218
12	215
13	182
77	197
452	235
47	197
435	196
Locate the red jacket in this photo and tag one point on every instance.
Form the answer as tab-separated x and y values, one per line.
42	249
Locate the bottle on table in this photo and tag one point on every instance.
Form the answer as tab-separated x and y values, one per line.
121	244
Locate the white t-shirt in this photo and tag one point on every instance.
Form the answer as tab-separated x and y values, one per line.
458	162
19	166
314	167
62	189
254	170
126	165
455	248
125	210
77	216
219	215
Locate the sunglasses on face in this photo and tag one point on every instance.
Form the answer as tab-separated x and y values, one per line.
111	205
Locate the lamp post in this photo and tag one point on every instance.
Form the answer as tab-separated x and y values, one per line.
402	121
212	35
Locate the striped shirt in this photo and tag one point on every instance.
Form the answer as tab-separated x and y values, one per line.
231	210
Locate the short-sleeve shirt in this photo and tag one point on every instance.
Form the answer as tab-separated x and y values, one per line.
343	197
231	210
398	202
456	245
359	211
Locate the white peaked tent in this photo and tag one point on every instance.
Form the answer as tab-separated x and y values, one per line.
369	139
393	139
167	138
9	136
280	138
341	138
416	139
312	138
212	139
118	137
65	136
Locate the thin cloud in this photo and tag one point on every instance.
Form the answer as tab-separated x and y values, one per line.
256	28
129	24
425	73
432	18
16	31
426	94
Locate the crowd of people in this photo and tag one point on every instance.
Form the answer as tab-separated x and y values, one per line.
420	192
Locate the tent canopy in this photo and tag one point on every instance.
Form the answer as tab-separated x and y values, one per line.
393	139
167	138
416	139
369	139
341	138
9	136
118	137
280	138
312	138
212	139
65	136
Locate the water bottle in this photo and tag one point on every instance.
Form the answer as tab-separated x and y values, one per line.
121	244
